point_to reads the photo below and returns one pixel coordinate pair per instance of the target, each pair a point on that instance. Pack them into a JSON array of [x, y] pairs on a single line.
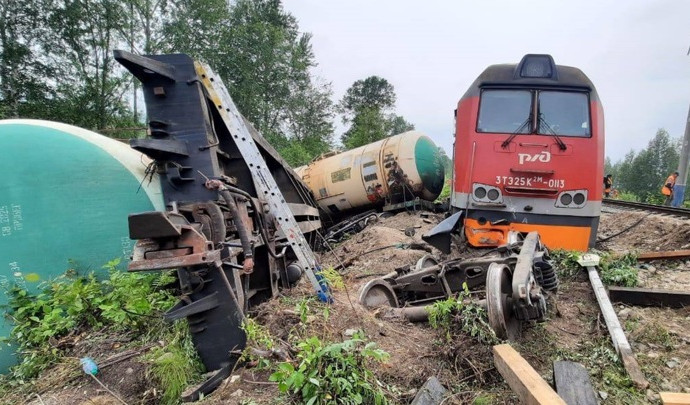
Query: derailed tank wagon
[[400, 171]]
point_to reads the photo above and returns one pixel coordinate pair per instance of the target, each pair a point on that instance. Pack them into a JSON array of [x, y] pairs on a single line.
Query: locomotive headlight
[[572, 199], [485, 193], [579, 198], [480, 192]]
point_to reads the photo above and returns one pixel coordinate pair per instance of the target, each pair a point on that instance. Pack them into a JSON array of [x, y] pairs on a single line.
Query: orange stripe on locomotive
[[512, 172]]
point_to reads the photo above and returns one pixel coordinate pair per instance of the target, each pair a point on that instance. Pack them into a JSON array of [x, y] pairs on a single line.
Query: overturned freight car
[[400, 171]]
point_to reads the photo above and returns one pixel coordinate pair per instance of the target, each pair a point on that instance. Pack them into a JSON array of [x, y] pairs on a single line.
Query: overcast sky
[[634, 51]]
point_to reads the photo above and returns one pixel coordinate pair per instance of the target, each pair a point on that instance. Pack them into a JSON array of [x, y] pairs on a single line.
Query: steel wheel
[[499, 302]]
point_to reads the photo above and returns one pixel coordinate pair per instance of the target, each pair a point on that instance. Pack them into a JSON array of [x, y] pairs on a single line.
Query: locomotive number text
[[534, 181]]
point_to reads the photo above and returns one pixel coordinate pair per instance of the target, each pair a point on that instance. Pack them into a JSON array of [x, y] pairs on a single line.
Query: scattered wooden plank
[[674, 398], [649, 297], [431, 393], [620, 342], [530, 388], [673, 254], [572, 383]]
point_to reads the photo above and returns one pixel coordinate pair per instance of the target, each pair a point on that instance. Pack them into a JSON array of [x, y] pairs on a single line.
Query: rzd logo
[[543, 157]]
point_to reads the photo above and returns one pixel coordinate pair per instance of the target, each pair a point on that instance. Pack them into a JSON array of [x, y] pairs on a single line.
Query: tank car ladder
[[264, 182]]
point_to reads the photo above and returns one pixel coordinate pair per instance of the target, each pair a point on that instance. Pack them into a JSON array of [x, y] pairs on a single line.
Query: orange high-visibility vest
[[665, 190]]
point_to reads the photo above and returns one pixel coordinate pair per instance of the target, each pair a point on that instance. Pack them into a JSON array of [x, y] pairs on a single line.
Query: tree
[[447, 162], [644, 173], [256, 47], [24, 90], [368, 126], [374, 93], [197, 28], [365, 106], [88, 31], [397, 125]]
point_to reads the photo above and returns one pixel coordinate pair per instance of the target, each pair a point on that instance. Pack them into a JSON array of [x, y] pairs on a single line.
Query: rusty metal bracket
[[189, 249]]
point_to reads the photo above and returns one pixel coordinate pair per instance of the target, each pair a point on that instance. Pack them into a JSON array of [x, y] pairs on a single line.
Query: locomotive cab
[[529, 155]]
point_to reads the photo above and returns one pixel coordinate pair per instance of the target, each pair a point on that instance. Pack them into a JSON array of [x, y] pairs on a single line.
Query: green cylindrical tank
[[65, 194]]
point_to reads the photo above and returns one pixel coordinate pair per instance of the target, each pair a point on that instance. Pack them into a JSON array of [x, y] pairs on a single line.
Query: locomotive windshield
[[505, 111], [558, 112], [563, 113]]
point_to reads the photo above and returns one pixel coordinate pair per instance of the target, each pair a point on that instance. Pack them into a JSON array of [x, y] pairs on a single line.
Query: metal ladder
[[264, 182]]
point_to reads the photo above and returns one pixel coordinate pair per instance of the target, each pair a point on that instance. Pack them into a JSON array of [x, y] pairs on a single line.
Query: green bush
[[333, 373], [123, 301], [620, 271], [628, 197], [459, 313], [445, 192], [565, 262]]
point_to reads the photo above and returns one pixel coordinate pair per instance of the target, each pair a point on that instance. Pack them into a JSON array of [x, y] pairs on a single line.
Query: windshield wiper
[[560, 143], [516, 132]]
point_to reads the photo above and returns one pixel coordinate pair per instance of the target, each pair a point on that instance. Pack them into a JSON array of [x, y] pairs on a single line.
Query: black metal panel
[[216, 331], [177, 113]]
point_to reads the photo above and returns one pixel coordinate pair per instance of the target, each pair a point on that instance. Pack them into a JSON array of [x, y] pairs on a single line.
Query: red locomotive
[[529, 155]]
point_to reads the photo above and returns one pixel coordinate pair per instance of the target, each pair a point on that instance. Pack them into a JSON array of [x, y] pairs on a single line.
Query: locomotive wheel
[[424, 262], [378, 293], [499, 297]]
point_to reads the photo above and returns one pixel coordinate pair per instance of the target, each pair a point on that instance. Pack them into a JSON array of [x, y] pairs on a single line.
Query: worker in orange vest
[[608, 183], [667, 189]]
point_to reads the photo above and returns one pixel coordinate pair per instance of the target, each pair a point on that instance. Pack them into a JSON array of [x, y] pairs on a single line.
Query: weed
[[656, 334], [333, 373], [445, 192], [257, 336], [332, 278], [628, 197], [175, 365], [484, 399], [302, 308], [619, 270], [459, 312], [441, 314], [566, 263], [123, 301]]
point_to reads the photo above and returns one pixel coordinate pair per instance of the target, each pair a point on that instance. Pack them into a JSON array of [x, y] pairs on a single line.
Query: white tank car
[[392, 170]]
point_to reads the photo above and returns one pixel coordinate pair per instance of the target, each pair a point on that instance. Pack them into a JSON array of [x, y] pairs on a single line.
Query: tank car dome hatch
[[65, 197]]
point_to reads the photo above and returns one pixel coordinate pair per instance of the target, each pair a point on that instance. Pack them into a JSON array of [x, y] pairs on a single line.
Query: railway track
[[679, 212]]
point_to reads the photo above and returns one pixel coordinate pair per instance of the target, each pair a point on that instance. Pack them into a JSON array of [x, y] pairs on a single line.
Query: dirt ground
[[574, 330]]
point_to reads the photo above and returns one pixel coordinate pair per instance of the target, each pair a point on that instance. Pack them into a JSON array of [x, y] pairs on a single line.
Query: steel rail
[[661, 209]]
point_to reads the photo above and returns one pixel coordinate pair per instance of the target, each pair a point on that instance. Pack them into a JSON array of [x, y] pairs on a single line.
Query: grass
[[121, 304], [445, 192], [459, 314], [596, 354], [613, 270], [175, 365], [655, 333], [619, 270], [332, 373], [565, 262]]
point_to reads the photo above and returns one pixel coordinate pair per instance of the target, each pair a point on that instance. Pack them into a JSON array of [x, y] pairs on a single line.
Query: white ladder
[[267, 188]]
